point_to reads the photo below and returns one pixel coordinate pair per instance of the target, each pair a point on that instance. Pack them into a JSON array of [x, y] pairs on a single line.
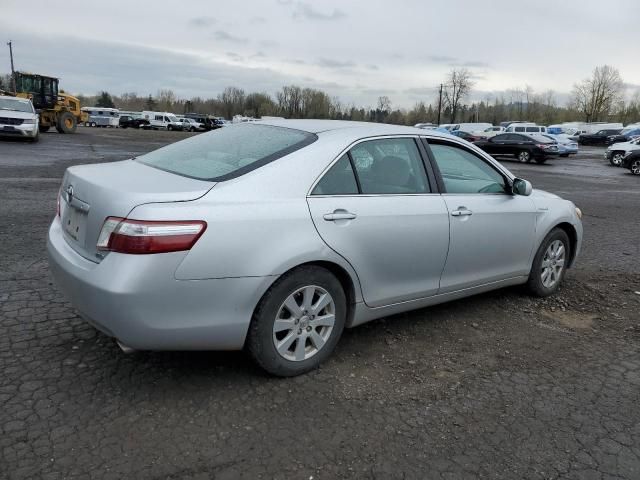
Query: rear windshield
[[227, 152]]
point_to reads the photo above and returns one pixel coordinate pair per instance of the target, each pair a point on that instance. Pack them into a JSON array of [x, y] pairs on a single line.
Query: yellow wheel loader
[[56, 109]]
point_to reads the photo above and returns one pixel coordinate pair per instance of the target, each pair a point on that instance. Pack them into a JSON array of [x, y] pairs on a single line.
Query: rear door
[[375, 207], [501, 145], [492, 231]]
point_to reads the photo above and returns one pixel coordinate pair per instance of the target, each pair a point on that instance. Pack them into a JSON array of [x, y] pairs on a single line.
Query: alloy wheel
[[553, 264], [617, 159], [304, 323], [635, 167], [524, 156]]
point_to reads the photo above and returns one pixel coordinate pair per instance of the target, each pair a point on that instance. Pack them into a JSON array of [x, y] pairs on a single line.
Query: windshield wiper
[[10, 109]]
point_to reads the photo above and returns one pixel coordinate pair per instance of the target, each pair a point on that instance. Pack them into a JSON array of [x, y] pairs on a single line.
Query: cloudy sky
[[355, 49]]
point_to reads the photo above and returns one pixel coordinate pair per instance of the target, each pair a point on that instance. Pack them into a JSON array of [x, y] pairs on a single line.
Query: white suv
[[616, 152], [190, 125], [18, 118]]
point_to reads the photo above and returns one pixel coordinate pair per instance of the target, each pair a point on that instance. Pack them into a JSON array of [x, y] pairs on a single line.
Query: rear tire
[[524, 156], [549, 265], [304, 331], [540, 161]]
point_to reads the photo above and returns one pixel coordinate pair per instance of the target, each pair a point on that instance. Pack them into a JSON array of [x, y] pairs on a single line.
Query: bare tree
[[596, 96], [456, 89], [232, 101], [290, 101]]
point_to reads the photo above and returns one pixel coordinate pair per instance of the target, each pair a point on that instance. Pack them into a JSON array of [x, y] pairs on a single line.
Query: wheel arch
[[347, 281], [573, 239]]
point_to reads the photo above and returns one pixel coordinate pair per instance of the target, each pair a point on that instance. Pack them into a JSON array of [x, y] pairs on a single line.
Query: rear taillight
[[124, 235], [543, 146]]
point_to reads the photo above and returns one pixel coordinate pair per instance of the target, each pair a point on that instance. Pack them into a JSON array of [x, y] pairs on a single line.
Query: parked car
[[524, 147], [190, 125], [426, 126], [18, 118], [598, 138], [490, 132], [188, 247], [465, 135], [615, 153], [566, 147], [625, 135], [209, 122], [128, 121], [632, 162]]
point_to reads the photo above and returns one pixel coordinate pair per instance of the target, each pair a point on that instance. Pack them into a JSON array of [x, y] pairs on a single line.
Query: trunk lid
[[91, 193]]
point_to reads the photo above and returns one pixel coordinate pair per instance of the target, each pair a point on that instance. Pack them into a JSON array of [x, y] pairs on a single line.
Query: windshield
[[7, 103], [227, 153]]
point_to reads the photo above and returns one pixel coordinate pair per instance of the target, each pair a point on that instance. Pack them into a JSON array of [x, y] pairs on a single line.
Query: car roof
[[359, 128]]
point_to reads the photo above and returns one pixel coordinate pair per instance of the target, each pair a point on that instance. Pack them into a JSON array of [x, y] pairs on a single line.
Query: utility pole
[[13, 72], [439, 104]]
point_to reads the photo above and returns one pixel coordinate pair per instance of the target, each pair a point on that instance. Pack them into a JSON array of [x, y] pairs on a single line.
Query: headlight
[[578, 213], [28, 121]]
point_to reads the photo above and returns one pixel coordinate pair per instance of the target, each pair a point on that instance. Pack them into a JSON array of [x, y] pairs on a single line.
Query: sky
[[357, 50]]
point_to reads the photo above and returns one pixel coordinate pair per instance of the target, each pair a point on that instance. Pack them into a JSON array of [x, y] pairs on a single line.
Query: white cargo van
[[161, 120], [525, 128]]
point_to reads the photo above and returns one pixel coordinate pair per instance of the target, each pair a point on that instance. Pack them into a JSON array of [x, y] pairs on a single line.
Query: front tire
[[635, 167], [66, 123], [550, 264], [298, 322], [616, 159]]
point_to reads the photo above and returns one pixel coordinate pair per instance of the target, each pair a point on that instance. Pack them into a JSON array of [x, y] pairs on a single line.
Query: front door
[[492, 231], [375, 208]]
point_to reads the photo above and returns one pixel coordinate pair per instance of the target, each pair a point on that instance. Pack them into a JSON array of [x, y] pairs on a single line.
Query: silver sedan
[[276, 235]]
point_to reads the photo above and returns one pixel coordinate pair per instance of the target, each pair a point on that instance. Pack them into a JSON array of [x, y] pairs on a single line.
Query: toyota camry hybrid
[[276, 235]]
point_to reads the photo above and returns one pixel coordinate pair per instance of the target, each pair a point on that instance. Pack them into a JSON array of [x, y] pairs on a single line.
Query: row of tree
[[597, 98]]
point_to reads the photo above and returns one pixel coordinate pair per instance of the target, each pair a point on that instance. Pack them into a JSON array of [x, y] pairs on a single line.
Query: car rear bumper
[[137, 300]]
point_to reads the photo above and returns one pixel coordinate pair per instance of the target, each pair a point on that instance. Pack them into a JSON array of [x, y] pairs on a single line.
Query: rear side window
[[339, 180], [533, 129], [390, 166], [229, 152]]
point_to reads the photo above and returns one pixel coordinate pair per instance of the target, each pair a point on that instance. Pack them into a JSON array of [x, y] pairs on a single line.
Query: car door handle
[[339, 215], [461, 211]]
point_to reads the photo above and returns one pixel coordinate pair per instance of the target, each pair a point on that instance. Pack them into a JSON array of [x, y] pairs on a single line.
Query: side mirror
[[522, 187]]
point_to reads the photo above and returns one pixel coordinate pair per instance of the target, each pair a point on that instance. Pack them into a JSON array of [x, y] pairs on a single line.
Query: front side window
[[465, 172], [228, 153], [519, 129]]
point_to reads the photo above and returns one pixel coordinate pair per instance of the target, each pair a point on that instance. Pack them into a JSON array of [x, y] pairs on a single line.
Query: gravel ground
[[500, 385]]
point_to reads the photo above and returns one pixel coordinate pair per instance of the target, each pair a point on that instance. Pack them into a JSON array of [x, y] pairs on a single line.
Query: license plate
[[74, 223], [8, 128]]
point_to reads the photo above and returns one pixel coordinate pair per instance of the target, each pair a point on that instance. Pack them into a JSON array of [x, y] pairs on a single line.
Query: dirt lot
[[500, 385]]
